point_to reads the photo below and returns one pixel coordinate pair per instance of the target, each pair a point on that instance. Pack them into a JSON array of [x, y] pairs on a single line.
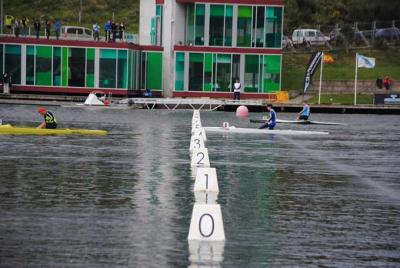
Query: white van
[[76, 32], [309, 37]]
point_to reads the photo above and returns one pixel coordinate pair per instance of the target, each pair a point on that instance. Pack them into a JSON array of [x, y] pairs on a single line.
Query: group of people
[[113, 31], [21, 27], [386, 82]]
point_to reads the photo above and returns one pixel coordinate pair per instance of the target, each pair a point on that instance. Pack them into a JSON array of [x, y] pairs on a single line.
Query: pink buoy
[[242, 111]]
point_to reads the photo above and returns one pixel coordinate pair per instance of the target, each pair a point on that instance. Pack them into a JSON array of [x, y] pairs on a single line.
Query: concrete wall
[[348, 87], [147, 11]]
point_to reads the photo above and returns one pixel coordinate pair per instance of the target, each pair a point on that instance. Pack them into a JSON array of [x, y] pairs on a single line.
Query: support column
[[96, 67], [23, 65], [207, 25], [234, 26], [242, 66]]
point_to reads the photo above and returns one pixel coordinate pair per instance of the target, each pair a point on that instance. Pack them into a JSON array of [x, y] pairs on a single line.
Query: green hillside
[[294, 67]]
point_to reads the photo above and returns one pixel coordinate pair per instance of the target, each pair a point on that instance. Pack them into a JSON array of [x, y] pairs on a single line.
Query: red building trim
[[228, 50], [66, 90], [152, 48], [246, 2], [76, 43], [159, 2], [222, 95]]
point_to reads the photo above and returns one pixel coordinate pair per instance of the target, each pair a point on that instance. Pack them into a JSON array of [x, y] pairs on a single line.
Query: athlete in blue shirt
[[305, 113], [271, 123]]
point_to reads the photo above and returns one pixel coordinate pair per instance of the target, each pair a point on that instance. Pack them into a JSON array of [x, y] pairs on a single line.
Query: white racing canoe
[[262, 131], [300, 122]]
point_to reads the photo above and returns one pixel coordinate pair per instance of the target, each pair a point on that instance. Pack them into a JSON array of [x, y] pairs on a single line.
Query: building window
[[64, 66], [12, 62], [108, 66], [76, 65], [122, 69], [223, 72], [154, 70], [180, 71], [43, 66], [199, 28], [30, 65], [208, 72], [258, 20], [217, 25], [90, 67], [244, 27], [1, 59], [56, 66], [273, 27], [251, 73], [159, 25], [190, 16], [196, 62], [272, 70], [228, 26]]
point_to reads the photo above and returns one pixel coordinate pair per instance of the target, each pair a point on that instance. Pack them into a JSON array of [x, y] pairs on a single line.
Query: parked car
[[309, 37], [76, 32], [286, 42], [388, 34]]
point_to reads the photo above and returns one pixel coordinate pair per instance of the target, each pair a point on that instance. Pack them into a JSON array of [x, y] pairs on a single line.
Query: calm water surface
[[126, 199]]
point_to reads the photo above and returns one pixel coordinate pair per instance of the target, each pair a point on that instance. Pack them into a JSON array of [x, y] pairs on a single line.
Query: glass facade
[[12, 62], [179, 71], [76, 67], [257, 26], [216, 72], [1, 58]]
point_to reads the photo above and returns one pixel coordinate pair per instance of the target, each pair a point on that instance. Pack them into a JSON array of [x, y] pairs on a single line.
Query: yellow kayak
[[10, 130]]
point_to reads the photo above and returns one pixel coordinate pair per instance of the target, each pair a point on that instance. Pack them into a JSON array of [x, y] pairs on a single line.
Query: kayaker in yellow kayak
[[50, 121]]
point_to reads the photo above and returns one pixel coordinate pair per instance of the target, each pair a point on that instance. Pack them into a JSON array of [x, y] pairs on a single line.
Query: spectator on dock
[[47, 28], [96, 31], [107, 28], [24, 25], [57, 28], [16, 27], [9, 23], [379, 83], [114, 31], [36, 26], [121, 30], [387, 82], [236, 90]]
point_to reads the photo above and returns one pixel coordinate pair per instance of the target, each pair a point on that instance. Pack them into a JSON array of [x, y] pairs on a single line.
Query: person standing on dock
[[236, 90], [305, 113], [50, 121], [271, 123]]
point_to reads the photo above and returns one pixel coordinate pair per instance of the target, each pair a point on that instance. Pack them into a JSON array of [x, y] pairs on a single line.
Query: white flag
[[365, 62]]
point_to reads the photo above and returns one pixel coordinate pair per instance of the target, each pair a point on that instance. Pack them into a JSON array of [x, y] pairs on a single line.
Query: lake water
[[126, 199]]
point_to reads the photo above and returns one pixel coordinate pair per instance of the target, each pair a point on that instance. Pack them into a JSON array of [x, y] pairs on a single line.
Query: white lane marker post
[[200, 158], [206, 180], [196, 142], [205, 198], [206, 223], [201, 252]]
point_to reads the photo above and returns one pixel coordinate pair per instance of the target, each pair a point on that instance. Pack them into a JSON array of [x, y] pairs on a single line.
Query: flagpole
[[355, 81], [320, 78]]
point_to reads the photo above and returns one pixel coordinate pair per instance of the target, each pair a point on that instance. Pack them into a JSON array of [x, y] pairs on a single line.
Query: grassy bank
[[294, 67], [343, 99]]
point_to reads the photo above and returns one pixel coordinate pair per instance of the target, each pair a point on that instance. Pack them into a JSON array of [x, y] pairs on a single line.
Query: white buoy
[[209, 252], [201, 197], [206, 180], [206, 223], [196, 142], [200, 158]]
